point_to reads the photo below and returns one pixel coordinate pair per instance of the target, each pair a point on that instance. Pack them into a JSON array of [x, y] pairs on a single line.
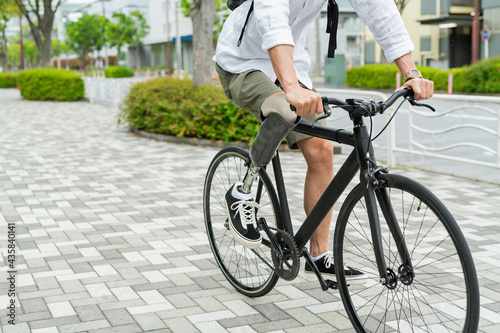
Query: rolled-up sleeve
[[273, 22], [384, 21]]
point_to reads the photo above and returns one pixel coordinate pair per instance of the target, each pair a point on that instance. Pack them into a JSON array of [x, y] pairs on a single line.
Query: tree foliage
[[120, 31], [87, 34], [139, 30], [8, 9]]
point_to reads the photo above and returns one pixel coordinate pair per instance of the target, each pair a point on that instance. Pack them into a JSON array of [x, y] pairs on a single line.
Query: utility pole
[[106, 61], [178, 45], [169, 51], [21, 39], [475, 32], [318, 49]]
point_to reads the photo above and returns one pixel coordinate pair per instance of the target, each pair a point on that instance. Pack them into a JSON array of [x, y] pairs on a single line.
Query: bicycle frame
[[358, 160]]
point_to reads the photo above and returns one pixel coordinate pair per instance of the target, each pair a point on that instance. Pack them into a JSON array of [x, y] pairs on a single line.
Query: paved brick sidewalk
[[110, 232]]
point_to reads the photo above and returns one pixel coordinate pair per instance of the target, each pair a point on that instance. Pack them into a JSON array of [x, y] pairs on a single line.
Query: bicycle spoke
[[427, 301], [250, 271]]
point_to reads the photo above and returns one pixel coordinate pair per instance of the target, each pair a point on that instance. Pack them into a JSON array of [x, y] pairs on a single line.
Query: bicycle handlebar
[[358, 107]]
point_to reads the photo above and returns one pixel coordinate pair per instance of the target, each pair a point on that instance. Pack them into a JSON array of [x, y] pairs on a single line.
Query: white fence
[[99, 89]]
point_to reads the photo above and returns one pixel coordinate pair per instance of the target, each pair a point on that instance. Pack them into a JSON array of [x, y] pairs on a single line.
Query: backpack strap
[[244, 25], [331, 26]]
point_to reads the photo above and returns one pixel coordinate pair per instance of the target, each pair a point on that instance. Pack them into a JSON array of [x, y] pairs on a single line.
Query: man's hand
[[422, 88], [305, 101]]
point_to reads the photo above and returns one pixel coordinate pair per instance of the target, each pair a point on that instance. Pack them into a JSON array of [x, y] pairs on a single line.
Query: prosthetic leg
[[240, 206], [280, 121]]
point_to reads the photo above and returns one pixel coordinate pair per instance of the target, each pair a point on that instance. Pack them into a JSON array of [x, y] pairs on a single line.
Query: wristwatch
[[411, 74]]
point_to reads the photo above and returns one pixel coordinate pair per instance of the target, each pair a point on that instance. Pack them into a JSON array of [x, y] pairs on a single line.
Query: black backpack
[[331, 26]]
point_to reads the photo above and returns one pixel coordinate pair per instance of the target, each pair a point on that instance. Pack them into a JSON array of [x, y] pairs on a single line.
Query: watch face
[[415, 72]]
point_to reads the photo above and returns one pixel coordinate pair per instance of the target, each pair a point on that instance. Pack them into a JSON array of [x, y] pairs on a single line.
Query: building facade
[[442, 32], [491, 22], [165, 18], [440, 29]]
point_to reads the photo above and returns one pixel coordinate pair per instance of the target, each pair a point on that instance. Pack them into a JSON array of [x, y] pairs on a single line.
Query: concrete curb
[[208, 143]]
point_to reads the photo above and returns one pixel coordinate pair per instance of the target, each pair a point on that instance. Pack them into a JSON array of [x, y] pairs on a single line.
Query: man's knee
[[318, 153]]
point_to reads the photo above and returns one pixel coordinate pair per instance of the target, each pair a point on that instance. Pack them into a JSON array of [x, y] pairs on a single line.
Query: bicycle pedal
[[332, 284]]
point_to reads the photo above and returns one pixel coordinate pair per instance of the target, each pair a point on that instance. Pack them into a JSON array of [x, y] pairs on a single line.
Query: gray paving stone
[[34, 305], [89, 312], [98, 210], [118, 317], [149, 321], [119, 329]]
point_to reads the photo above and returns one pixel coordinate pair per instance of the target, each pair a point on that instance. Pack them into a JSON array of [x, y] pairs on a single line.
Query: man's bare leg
[[318, 154]]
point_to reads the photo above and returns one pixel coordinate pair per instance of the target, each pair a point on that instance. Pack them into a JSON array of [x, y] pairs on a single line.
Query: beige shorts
[[249, 89]]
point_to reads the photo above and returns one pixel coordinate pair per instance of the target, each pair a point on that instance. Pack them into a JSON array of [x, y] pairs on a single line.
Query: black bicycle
[[421, 275]]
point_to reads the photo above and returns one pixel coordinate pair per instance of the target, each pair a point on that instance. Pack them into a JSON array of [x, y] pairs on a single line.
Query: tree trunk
[[203, 16], [5, 61], [3, 52], [41, 29]]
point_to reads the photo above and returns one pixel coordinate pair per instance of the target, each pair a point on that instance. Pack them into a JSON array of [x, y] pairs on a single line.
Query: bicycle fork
[[373, 192]]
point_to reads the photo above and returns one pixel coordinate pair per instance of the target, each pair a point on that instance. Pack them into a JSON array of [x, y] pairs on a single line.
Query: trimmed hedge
[[50, 84], [8, 80], [382, 76], [481, 77], [177, 107], [118, 71]]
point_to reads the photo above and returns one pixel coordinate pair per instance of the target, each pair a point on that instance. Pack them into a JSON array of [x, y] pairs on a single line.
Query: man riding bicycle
[[256, 51]]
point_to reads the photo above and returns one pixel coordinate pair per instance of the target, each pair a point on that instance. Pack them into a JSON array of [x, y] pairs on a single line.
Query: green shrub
[[372, 76], [8, 80], [118, 71], [177, 107], [50, 84], [483, 77]]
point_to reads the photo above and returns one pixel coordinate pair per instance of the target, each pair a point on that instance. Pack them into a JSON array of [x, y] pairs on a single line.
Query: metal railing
[[473, 138], [477, 126]]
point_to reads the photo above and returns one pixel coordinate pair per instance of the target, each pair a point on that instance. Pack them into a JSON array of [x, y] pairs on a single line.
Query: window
[[492, 18], [370, 52], [425, 44], [428, 7]]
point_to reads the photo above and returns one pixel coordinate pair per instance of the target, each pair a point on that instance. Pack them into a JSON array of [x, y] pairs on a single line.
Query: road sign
[[485, 34]]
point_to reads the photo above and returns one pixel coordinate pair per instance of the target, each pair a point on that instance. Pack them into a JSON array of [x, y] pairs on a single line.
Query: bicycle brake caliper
[[374, 171]]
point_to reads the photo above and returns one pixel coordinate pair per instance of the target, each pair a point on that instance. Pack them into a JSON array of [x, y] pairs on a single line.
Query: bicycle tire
[[444, 294], [250, 272]]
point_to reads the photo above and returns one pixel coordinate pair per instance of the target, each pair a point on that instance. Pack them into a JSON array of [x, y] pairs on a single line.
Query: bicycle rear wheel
[[443, 296], [251, 272]]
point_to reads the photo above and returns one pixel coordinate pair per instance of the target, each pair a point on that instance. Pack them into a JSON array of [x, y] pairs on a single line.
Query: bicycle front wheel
[[250, 271], [443, 295]]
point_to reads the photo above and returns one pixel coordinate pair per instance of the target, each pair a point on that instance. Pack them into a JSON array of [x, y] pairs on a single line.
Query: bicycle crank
[[285, 256]]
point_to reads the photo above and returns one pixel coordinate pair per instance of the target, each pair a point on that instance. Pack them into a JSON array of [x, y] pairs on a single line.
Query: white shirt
[[278, 22]]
